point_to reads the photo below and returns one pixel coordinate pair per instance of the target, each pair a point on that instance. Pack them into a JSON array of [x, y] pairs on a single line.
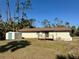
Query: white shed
[[13, 35]]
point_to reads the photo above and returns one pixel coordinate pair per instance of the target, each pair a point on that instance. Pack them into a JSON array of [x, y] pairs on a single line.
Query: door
[[9, 35]]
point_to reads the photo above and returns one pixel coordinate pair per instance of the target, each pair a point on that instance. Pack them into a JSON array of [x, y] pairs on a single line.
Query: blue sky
[[67, 10]]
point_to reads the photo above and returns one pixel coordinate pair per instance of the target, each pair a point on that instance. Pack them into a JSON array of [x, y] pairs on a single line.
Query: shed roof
[[53, 29]]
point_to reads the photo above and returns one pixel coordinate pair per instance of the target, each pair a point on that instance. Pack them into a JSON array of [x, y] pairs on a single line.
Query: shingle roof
[[59, 29]]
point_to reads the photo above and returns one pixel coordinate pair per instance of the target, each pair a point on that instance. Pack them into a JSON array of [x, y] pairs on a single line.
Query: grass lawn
[[40, 49]]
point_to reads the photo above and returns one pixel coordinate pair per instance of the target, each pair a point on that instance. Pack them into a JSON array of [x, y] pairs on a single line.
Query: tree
[[1, 21], [24, 7], [17, 14], [0, 12], [25, 23], [21, 8], [32, 21], [1, 24], [17, 10], [53, 25], [8, 10], [58, 22], [77, 31], [16, 22], [46, 23], [73, 30], [67, 24]]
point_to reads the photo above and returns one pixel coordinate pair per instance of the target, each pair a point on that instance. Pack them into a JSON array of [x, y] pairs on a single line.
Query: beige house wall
[[61, 36], [54, 35], [30, 35]]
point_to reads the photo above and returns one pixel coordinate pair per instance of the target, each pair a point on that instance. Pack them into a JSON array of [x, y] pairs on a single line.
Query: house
[[55, 33]]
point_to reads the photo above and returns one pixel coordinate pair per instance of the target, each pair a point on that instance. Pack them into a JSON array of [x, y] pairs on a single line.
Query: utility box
[[13, 35]]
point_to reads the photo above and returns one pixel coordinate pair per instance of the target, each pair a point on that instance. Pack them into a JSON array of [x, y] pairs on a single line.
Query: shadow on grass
[[67, 57], [14, 45], [46, 39]]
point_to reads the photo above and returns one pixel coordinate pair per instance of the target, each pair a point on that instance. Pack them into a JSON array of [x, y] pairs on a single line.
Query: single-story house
[[55, 33]]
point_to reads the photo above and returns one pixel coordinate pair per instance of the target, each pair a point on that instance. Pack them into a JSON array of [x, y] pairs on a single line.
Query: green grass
[[42, 49]]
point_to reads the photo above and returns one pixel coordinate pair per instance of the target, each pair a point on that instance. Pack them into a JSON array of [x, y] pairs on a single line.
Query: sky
[[66, 10]]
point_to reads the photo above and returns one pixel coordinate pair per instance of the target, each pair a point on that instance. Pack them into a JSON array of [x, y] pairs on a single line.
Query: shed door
[[9, 35]]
